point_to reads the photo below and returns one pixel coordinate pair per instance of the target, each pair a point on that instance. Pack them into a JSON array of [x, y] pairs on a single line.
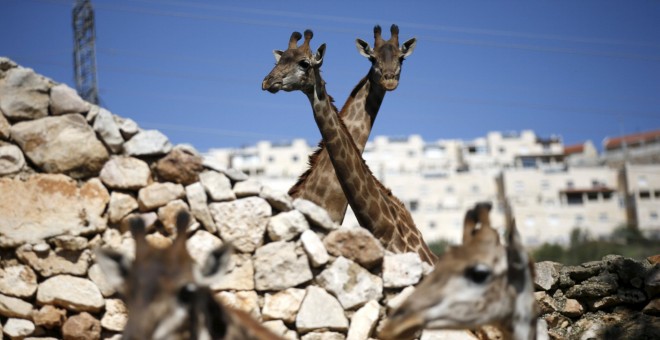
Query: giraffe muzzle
[[266, 85]]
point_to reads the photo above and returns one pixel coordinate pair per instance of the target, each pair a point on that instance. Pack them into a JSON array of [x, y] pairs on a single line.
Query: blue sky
[[193, 69]]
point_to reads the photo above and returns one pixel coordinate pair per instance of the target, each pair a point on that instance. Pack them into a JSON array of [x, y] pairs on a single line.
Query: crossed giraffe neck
[[374, 205], [168, 296], [482, 282], [319, 183]]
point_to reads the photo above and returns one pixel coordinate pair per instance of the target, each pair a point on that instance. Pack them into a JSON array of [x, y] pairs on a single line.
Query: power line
[[453, 29], [254, 22]]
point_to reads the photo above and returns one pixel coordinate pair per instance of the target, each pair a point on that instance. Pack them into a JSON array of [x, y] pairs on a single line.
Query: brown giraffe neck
[[374, 205], [319, 183]]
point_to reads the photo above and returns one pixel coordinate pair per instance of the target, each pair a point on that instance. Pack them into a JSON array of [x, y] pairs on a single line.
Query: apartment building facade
[[549, 188]]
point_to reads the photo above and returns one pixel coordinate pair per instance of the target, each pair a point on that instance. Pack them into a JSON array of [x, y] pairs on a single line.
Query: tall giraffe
[[374, 205], [482, 282], [168, 295], [319, 183]]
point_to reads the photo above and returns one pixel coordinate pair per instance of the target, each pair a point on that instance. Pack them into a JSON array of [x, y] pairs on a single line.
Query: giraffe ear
[[364, 48], [115, 267], [277, 54], [408, 47], [214, 267], [318, 57]]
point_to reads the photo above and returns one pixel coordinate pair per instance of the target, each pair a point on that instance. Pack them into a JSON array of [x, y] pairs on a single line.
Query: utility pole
[[84, 53]]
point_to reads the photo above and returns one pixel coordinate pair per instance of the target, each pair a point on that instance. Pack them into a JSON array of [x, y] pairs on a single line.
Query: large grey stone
[[597, 286], [23, 94], [310, 318], [106, 127], [120, 206], [286, 226], [547, 275], [239, 274], [277, 266], [182, 165], [148, 143], [242, 222], [64, 99], [159, 194], [318, 256], [62, 144], [128, 128], [11, 159], [98, 277], [115, 316], [281, 201], [201, 244], [12, 307], [51, 263], [18, 280], [364, 321], [283, 305], [70, 292], [356, 244], [45, 206], [401, 270], [125, 173], [247, 188], [81, 327], [5, 127], [217, 186], [351, 284], [315, 214], [197, 199], [18, 328]]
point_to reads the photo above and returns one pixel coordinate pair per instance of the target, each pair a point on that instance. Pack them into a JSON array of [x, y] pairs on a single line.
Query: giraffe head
[[386, 56], [478, 283], [294, 67], [161, 287]]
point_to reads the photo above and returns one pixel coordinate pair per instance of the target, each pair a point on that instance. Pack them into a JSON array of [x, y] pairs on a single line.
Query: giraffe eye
[[478, 273], [186, 293], [304, 64]]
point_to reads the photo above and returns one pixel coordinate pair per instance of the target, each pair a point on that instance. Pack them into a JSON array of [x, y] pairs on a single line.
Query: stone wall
[[71, 173], [615, 298]]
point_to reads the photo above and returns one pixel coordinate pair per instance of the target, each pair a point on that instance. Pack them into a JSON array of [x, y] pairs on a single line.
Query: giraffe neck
[[319, 183], [374, 206]]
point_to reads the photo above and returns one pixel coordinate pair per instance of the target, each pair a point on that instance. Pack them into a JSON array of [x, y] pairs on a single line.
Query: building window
[[592, 196], [545, 185], [641, 181], [475, 189], [607, 195], [644, 195], [449, 189], [656, 194], [528, 162], [411, 153], [653, 216], [579, 219], [271, 159], [502, 150], [574, 198], [414, 205], [295, 158], [603, 217], [570, 184], [432, 225]]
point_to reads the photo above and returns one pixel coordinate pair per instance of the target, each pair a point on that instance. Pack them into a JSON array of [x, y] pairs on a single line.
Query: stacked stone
[[616, 298], [71, 174]]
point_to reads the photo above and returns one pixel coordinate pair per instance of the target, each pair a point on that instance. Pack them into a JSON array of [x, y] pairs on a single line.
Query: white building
[[548, 204], [642, 189], [549, 188]]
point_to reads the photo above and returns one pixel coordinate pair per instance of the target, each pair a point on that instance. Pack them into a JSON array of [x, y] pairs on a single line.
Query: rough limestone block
[[242, 222], [351, 284], [277, 266], [70, 292], [286, 226], [401, 270], [309, 318], [364, 321], [125, 173], [318, 256], [283, 305]]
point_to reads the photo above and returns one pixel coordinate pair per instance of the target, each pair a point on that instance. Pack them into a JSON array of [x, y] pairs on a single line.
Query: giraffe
[[374, 205], [168, 295], [482, 282], [319, 183]]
